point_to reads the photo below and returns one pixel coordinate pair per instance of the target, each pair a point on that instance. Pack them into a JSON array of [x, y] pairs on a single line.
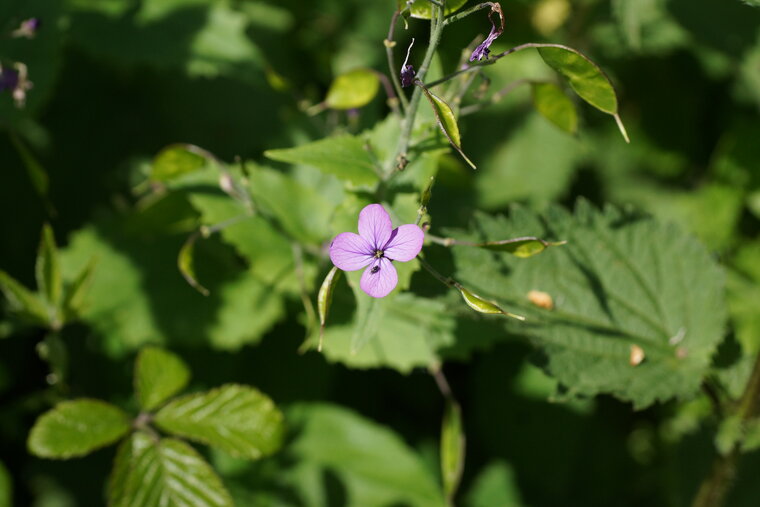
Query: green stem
[[389, 45], [493, 59], [436, 28], [456, 17], [713, 490]]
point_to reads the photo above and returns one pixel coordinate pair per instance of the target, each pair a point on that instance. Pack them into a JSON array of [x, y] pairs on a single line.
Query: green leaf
[[345, 157], [24, 302], [353, 89], [585, 78], [553, 104], [444, 115], [324, 299], [422, 8], [177, 160], [75, 428], [48, 269], [159, 375], [520, 247], [74, 293], [372, 464], [185, 263], [482, 305], [6, 487], [496, 484], [35, 170], [621, 280], [149, 472], [452, 448], [240, 420]]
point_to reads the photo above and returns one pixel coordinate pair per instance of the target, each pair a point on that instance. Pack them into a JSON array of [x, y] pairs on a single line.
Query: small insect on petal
[[541, 299], [637, 355]]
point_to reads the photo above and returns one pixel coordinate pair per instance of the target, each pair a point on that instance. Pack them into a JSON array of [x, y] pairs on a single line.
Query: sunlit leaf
[[149, 472], [177, 160], [159, 375], [422, 8], [75, 428], [553, 104], [620, 281], [344, 156], [447, 121], [585, 77], [238, 419], [353, 89]]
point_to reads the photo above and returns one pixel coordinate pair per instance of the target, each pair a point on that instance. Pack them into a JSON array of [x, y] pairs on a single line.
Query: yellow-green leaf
[[353, 89], [48, 269], [585, 78], [555, 106], [324, 299], [159, 375], [185, 264], [22, 301], [177, 160], [444, 115], [422, 8]]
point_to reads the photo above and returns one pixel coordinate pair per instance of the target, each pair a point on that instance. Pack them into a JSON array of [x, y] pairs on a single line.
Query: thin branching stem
[[389, 45], [463, 14]]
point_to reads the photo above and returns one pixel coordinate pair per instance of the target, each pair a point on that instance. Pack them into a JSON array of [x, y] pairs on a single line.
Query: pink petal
[[349, 251], [405, 243], [375, 225], [380, 283]]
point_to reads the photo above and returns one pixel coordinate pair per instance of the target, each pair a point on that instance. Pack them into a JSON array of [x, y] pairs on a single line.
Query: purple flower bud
[[16, 80], [407, 71], [28, 28], [482, 51], [8, 79]]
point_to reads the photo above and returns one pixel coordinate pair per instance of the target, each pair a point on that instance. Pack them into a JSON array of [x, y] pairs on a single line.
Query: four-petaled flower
[[375, 247]]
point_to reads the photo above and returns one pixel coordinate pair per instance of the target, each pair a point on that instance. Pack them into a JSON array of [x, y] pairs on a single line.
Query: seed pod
[[324, 299]]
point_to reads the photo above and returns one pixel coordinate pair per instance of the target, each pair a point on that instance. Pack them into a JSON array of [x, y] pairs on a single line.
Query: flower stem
[[715, 487], [389, 45], [456, 17], [436, 28]]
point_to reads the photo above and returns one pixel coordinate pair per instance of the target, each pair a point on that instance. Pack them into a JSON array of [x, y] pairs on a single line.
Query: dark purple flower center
[[378, 254]]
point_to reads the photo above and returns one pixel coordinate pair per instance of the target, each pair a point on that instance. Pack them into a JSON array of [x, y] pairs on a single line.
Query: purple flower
[[16, 79], [483, 49], [28, 28], [8, 79], [375, 247], [407, 71]]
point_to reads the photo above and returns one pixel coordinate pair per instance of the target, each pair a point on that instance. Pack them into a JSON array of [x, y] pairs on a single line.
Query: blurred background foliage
[[117, 80]]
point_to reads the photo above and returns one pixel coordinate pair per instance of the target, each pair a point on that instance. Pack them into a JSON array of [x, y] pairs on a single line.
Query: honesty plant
[[376, 246]]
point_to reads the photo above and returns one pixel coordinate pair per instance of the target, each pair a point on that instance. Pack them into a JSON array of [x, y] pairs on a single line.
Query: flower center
[[378, 254]]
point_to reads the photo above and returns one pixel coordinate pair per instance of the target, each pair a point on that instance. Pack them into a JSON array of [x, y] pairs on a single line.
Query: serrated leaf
[[585, 78], [163, 473], [74, 294], [553, 104], [353, 89], [6, 487], [75, 428], [159, 375], [177, 160], [452, 448], [620, 281], [23, 301], [447, 121], [324, 300], [343, 156], [421, 9], [238, 419], [48, 269]]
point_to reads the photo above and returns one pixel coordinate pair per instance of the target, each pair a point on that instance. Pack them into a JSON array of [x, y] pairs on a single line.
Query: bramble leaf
[[75, 428], [620, 281], [152, 473], [159, 375], [343, 156], [353, 89], [240, 420]]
